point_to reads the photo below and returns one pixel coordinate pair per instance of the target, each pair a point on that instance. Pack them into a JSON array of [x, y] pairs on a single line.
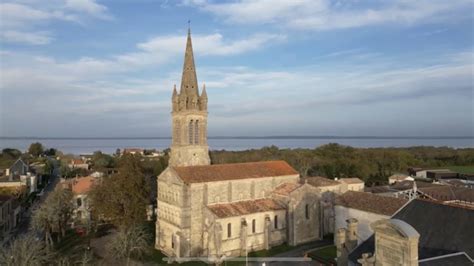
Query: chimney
[[340, 240], [351, 238], [352, 229]]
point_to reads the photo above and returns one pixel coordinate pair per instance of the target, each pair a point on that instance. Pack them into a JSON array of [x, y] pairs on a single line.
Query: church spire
[[189, 85]]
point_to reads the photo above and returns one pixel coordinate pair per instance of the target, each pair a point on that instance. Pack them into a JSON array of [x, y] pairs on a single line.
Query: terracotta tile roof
[[220, 172], [82, 185], [351, 180], [286, 188], [319, 181], [77, 161], [244, 207], [370, 202], [448, 193]]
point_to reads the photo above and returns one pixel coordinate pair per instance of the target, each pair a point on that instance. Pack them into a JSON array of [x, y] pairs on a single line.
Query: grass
[[273, 251], [469, 169], [325, 254]]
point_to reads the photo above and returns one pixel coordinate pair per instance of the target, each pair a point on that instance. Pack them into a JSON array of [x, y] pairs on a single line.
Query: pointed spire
[[189, 83], [204, 93], [175, 92]]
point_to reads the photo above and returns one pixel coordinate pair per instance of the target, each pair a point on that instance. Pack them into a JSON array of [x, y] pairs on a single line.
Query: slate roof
[[370, 202], [455, 259], [443, 229], [407, 184], [244, 207], [319, 181], [286, 188], [222, 172]]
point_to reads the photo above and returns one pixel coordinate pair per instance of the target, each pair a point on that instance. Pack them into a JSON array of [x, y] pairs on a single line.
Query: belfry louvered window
[[190, 133], [196, 132]]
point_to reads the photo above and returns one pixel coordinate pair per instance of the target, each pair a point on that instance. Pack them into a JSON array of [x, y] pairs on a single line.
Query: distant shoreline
[[242, 137]]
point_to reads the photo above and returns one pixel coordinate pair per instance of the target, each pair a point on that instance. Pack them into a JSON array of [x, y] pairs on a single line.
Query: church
[[216, 211]]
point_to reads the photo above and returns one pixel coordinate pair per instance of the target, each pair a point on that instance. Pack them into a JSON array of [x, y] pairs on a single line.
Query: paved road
[[24, 225]]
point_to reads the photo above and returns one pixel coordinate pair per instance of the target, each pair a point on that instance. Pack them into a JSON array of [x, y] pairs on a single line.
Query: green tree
[[129, 243], [102, 161], [36, 149], [11, 154], [25, 250], [123, 197]]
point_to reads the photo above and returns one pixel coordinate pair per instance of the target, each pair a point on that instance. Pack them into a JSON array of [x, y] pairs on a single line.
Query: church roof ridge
[[232, 171]]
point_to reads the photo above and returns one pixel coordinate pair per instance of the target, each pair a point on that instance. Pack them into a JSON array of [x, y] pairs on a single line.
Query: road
[[24, 225]]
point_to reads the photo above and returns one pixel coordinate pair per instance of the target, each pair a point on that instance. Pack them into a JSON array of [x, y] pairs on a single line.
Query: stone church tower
[[189, 144]]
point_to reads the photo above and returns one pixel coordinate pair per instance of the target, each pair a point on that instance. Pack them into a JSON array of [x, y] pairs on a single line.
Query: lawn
[[469, 169], [325, 254]]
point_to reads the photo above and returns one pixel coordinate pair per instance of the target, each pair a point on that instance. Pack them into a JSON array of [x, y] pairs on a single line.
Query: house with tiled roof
[[80, 187], [366, 208], [352, 184], [78, 164], [216, 211]]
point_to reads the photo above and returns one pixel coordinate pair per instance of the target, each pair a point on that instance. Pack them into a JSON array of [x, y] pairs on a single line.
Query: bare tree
[[25, 250], [54, 214], [131, 242]]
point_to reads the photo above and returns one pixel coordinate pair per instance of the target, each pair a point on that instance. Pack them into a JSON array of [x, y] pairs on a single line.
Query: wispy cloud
[[327, 15], [25, 21]]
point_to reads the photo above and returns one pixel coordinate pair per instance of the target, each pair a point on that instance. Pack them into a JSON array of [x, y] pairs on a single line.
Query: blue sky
[[82, 68]]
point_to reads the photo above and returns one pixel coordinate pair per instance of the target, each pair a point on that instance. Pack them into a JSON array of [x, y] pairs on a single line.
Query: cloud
[[89, 7], [327, 15], [27, 21], [34, 38], [212, 44]]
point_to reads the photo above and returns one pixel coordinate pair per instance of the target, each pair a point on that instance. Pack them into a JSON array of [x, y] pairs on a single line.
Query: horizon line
[[243, 137]]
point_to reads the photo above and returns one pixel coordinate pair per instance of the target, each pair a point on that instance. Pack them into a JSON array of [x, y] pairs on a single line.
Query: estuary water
[[109, 145]]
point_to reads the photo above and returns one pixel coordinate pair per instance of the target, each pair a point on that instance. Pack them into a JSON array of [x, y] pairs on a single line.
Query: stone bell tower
[[189, 144]]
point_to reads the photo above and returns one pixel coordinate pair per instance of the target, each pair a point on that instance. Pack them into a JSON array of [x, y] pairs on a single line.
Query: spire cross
[[189, 25]]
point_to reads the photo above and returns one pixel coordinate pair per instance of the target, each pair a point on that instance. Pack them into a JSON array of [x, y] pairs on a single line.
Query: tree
[[11, 154], [36, 149], [54, 214], [25, 250], [101, 161], [122, 198], [128, 243]]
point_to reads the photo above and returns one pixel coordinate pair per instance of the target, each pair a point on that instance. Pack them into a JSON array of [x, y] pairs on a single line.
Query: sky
[[106, 68]]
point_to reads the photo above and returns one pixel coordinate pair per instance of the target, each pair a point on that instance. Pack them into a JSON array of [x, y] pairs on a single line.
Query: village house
[[19, 175], [80, 187], [398, 178], [78, 164], [366, 208]]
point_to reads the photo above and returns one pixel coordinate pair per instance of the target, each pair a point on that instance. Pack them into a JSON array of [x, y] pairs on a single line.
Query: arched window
[[306, 211], [229, 230], [253, 226], [196, 132], [276, 221], [190, 133]]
